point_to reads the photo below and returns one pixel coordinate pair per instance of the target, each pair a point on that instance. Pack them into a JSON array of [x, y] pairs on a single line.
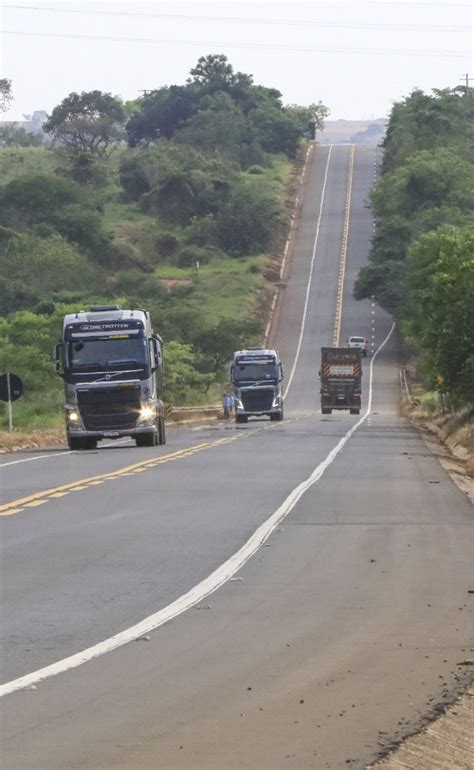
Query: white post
[[10, 410]]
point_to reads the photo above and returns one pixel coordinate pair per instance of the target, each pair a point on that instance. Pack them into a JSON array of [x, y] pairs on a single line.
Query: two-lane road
[[326, 618]]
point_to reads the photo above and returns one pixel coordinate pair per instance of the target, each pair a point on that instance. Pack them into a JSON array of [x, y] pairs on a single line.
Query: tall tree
[[89, 122]]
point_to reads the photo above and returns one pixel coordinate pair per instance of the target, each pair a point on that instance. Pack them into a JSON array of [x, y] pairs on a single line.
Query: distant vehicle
[[341, 374], [111, 361], [256, 374], [358, 342]]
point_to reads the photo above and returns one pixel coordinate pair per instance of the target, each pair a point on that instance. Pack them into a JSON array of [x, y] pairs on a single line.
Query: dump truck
[[111, 362], [256, 374], [341, 379]]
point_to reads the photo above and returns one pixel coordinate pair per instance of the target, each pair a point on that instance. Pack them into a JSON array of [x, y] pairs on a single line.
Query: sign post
[[11, 388]]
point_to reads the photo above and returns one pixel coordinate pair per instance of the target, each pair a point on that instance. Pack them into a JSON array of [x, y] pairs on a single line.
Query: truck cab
[[341, 378], [256, 374], [111, 362]]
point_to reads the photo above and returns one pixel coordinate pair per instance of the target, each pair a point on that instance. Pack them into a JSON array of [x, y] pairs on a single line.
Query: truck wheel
[[241, 418], [326, 410], [276, 417], [355, 411], [145, 439], [77, 444], [161, 431]]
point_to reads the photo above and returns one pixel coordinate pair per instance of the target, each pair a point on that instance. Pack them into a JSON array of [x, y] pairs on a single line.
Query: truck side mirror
[[58, 359]]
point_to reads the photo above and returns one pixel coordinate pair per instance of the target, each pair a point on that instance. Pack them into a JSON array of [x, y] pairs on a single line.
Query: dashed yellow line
[[39, 498], [342, 258]]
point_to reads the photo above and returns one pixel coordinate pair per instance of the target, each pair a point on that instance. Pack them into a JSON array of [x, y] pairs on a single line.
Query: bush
[[202, 231], [122, 255], [255, 170], [247, 223], [189, 255]]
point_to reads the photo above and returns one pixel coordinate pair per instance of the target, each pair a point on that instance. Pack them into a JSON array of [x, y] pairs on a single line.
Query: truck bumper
[[100, 434]]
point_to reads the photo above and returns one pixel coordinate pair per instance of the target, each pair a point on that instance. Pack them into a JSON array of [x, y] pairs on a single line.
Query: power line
[[257, 46], [249, 20]]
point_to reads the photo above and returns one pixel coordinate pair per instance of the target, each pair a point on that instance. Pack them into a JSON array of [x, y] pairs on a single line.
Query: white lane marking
[[310, 279], [56, 454], [207, 586], [30, 459]]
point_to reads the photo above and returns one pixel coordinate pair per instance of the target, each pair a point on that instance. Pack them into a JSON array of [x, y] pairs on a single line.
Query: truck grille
[[258, 400], [109, 408]]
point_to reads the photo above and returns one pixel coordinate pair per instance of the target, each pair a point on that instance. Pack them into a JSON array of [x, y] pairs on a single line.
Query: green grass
[[18, 161], [223, 289], [36, 411]]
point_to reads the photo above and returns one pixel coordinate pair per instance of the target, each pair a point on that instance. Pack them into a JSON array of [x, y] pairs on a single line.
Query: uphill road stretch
[[264, 596]]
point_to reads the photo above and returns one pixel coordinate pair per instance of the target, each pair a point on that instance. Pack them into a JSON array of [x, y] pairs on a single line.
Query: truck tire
[[276, 417], [161, 431], [241, 418], [146, 439], [326, 410], [78, 444], [355, 411]]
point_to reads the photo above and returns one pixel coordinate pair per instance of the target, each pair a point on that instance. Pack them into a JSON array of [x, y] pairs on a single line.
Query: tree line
[[421, 265]]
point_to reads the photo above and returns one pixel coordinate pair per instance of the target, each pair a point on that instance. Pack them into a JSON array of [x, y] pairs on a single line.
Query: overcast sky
[[356, 57]]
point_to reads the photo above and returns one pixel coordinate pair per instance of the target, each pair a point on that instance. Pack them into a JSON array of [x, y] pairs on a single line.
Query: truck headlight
[[73, 418], [147, 413], [276, 402]]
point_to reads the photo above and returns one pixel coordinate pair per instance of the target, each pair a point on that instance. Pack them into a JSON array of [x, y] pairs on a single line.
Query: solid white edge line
[[310, 279], [207, 586], [31, 459], [56, 454]]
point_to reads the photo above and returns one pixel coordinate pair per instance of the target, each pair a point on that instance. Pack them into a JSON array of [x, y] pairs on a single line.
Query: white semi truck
[[256, 374], [111, 362]]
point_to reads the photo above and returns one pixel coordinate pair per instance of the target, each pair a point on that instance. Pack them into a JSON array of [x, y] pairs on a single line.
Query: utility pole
[[466, 79]]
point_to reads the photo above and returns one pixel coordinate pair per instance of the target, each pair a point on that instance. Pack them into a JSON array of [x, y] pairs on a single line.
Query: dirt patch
[[446, 744], [12, 442], [170, 282]]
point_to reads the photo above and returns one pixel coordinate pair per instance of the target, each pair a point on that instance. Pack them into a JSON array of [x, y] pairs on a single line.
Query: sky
[[355, 56]]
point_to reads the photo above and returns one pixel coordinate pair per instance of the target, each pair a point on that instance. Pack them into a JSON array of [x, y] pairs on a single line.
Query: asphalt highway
[[198, 606]]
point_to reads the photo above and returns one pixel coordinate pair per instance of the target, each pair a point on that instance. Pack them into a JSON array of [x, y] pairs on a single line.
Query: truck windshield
[[255, 371], [107, 354]]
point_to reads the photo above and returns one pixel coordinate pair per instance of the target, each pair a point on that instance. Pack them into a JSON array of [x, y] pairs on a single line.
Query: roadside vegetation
[[422, 259], [171, 202]]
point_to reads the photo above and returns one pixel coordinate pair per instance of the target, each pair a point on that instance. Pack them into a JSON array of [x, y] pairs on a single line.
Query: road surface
[[265, 596]]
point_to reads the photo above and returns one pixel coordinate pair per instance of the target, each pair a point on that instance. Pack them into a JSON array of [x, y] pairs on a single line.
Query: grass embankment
[[450, 424]]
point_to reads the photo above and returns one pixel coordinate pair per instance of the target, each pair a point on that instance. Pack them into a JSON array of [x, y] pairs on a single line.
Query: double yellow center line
[[47, 495], [342, 258]]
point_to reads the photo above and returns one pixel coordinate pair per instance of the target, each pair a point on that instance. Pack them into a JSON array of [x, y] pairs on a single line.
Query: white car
[[358, 342]]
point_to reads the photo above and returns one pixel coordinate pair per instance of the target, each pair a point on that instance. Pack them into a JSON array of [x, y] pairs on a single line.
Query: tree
[[6, 95], [182, 377], [12, 135], [161, 113], [247, 221], [33, 198], [217, 343], [424, 122], [89, 122], [218, 125], [276, 129], [303, 116], [34, 268], [440, 282], [214, 72]]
